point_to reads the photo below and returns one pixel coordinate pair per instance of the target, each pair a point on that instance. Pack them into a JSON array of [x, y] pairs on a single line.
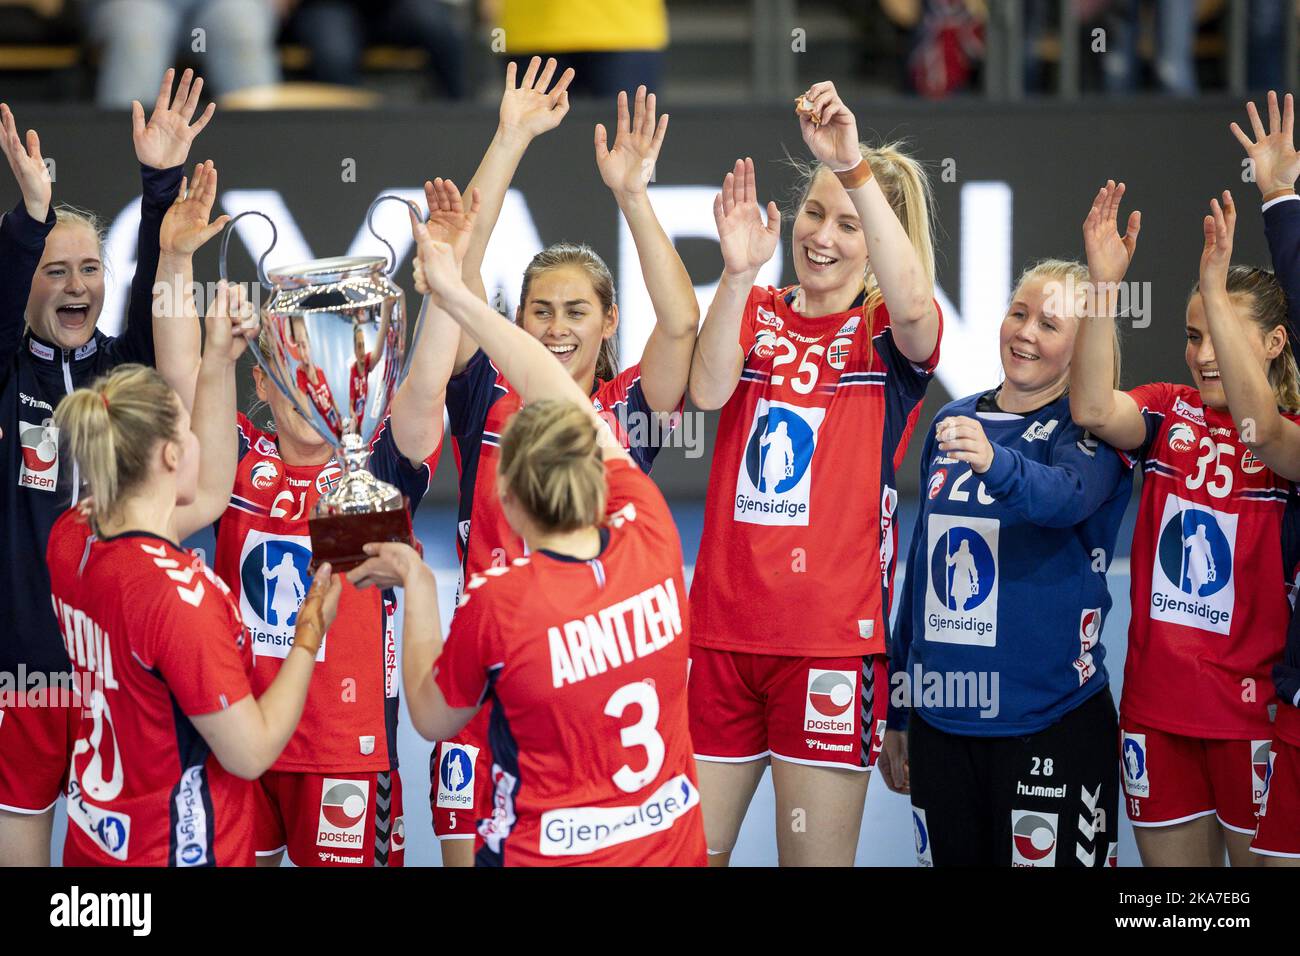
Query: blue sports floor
[[887, 824]]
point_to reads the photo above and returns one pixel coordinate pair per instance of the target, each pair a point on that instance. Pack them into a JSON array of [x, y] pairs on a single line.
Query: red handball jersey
[[1209, 596], [480, 403], [263, 552], [798, 551], [155, 639], [583, 664]]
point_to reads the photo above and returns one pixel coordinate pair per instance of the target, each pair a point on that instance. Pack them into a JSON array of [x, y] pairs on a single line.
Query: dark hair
[[584, 257], [1268, 311]]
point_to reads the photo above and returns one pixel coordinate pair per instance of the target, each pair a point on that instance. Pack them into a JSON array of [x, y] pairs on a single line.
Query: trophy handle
[[261, 263], [370, 224], [392, 267], [229, 231]]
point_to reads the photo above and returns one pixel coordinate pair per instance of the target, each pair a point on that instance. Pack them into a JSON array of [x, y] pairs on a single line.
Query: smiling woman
[[68, 288], [51, 296]]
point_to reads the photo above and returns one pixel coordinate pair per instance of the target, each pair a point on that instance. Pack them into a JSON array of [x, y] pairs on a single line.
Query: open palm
[[165, 140], [628, 167], [1216, 255], [28, 165], [1109, 253], [449, 219], [1273, 154], [531, 108], [746, 241], [185, 228]]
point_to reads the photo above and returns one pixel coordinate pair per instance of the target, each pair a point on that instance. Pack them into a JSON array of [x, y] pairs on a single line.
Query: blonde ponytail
[[907, 187], [111, 429], [551, 464]]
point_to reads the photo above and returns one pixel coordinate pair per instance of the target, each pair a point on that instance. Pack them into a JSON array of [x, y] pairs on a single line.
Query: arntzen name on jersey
[[615, 635]]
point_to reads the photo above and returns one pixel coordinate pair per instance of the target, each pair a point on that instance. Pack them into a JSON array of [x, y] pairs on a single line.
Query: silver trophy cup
[[338, 352]]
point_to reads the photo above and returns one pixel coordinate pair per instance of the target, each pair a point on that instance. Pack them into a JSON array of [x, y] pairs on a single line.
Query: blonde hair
[[67, 215], [1067, 271], [551, 464], [906, 186], [562, 254], [111, 429], [1268, 311]]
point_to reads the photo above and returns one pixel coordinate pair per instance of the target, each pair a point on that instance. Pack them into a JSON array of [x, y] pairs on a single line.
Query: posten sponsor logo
[[829, 706], [342, 813]]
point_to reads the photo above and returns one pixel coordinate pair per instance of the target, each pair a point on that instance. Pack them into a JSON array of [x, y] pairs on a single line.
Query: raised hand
[[27, 164], [531, 109], [627, 168], [165, 140], [746, 241], [437, 262], [1109, 253], [1218, 228], [185, 228], [1273, 154], [449, 221], [833, 138], [230, 323]]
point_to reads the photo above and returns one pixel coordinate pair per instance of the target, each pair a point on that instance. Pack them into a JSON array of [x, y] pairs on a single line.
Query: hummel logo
[[191, 596]]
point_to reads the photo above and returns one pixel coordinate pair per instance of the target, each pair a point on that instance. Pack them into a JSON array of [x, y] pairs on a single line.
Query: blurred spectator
[[1175, 33], [1175, 24], [337, 32], [140, 39], [612, 45], [1264, 52], [948, 47]]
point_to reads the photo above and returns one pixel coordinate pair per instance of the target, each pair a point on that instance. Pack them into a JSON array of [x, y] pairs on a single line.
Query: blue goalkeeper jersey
[[1000, 618]]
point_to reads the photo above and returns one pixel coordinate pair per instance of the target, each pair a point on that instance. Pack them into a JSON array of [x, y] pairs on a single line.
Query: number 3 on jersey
[[643, 733]]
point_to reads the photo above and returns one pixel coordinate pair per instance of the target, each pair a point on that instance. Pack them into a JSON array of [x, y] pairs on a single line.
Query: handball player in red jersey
[[577, 650], [334, 796], [1209, 597], [820, 385], [568, 303], [171, 736]]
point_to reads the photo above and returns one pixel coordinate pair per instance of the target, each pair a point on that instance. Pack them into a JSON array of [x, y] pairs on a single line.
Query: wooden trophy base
[[338, 539]]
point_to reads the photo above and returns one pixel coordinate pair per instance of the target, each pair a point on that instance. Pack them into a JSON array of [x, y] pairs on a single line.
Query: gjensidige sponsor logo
[[580, 830]]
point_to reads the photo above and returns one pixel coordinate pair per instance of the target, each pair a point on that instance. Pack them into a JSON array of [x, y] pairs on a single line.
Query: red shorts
[[36, 741], [1278, 833], [1169, 778], [808, 710], [460, 785], [331, 819]]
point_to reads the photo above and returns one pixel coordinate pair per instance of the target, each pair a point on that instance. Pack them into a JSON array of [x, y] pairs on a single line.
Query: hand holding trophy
[[339, 350]]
